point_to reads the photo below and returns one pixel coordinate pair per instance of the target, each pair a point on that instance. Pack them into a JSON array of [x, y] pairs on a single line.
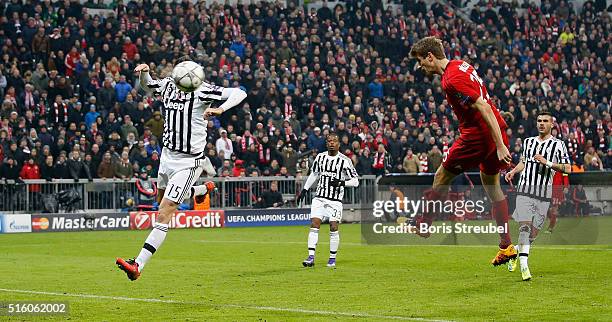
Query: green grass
[[247, 274]]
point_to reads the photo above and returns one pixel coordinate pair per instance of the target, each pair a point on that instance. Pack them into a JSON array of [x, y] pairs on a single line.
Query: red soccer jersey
[[463, 87]]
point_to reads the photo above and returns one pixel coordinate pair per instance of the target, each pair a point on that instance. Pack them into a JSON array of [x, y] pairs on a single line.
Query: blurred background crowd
[[72, 108]]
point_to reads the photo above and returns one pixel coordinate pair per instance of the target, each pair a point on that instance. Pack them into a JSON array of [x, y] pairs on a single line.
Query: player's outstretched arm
[[487, 114], [143, 76], [518, 169], [232, 97]]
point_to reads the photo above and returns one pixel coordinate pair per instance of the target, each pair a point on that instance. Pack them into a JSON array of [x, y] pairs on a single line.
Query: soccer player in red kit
[[482, 142], [560, 182]]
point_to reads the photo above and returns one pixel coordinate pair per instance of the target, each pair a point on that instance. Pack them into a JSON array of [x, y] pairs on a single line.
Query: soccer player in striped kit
[[183, 156], [542, 157], [332, 171]]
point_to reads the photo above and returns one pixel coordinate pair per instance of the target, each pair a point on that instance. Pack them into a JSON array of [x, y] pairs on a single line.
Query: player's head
[[333, 143], [545, 123], [428, 51]]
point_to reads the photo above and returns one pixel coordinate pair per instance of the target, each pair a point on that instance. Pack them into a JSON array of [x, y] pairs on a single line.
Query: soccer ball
[[188, 76]]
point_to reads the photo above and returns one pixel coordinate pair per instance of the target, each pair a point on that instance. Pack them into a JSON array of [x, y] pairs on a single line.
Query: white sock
[[154, 240], [524, 243], [334, 242], [313, 239], [524, 255], [196, 191]]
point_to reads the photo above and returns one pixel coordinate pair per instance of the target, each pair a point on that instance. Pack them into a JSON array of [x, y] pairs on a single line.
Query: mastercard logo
[[40, 223]]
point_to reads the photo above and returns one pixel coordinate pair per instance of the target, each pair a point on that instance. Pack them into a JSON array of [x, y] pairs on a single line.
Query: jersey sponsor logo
[[182, 219]]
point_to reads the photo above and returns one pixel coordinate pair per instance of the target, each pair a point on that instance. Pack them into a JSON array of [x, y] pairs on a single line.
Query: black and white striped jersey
[[536, 179], [184, 122], [326, 167]]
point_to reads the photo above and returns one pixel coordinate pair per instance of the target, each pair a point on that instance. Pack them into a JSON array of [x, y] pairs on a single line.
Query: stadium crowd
[[72, 107]]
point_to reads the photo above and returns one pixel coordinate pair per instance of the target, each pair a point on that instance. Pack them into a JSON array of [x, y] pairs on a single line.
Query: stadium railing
[[99, 195]]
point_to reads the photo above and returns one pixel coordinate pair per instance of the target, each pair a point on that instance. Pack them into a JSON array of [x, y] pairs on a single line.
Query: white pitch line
[[390, 245], [236, 306]]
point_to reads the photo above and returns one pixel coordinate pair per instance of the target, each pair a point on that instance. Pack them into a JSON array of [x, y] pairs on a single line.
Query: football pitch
[[248, 274]]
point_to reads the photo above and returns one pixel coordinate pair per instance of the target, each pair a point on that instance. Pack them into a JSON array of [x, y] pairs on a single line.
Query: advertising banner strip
[[267, 217], [80, 222], [140, 220], [15, 223]]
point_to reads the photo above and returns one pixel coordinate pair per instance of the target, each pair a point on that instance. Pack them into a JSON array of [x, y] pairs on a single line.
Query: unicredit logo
[[142, 221]]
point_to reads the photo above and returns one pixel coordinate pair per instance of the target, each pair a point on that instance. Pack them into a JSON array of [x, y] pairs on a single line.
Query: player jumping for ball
[[333, 171], [542, 157], [482, 142], [183, 156]]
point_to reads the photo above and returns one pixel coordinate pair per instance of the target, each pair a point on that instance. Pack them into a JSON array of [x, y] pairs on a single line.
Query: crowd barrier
[[110, 195]]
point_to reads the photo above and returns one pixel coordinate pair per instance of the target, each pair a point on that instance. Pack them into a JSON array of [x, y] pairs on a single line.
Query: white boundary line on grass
[[391, 245], [236, 306]]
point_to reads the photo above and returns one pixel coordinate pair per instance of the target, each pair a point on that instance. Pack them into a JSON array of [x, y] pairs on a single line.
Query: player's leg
[[334, 233], [179, 185], [499, 211], [313, 239], [539, 209], [334, 242], [439, 189], [553, 212]]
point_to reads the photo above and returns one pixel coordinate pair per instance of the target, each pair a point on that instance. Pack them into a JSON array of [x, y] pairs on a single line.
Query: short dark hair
[[546, 113], [428, 45]]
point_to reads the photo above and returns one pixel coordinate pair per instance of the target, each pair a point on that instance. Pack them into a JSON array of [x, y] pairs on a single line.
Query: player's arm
[[147, 82], [231, 96], [518, 169], [562, 159], [489, 117], [310, 181]]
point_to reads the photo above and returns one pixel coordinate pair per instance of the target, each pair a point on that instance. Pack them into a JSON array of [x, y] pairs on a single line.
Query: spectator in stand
[[123, 169], [224, 144], [106, 168], [77, 167], [156, 124], [61, 170], [271, 198], [412, 164]]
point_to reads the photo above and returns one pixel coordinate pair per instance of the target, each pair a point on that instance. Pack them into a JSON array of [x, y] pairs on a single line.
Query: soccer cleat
[[210, 186], [308, 262], [331, 263], [130, 267], [525, 273], [504, 255], [512, 264]]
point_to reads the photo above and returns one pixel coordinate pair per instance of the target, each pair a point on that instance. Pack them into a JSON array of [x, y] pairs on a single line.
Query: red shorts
[[468, 152], [560, 181]]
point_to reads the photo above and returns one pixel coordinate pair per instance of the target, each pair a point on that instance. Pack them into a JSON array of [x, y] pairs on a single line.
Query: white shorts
[[178, 172], [323, 209], [531, 210]]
